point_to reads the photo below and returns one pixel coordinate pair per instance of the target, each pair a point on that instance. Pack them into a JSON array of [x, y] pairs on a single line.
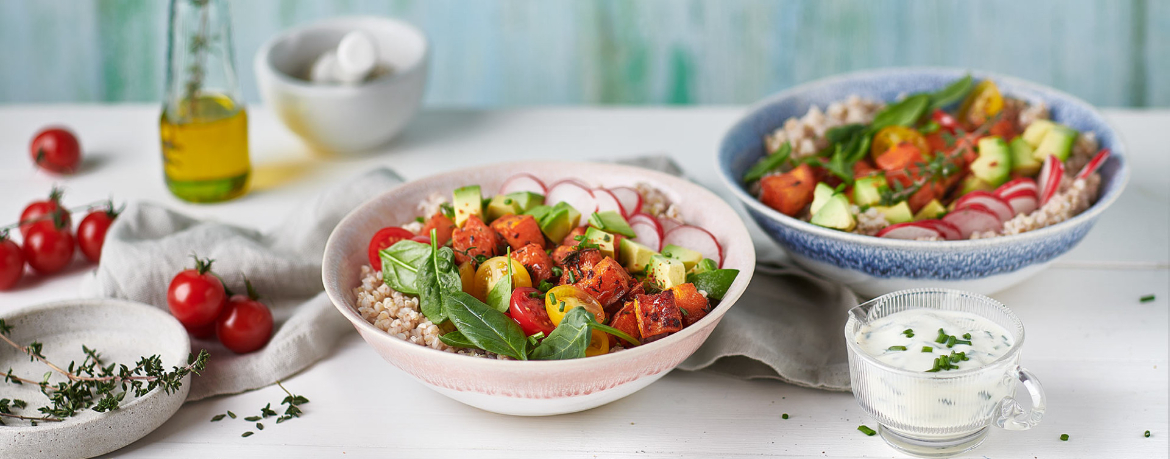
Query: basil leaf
[[487, 328], [843, 133], [768, 163], [904, 113], [456, 339], [954, 92], [500, 297], [715, 283], [569, 340], [437, 279], [400, 264]]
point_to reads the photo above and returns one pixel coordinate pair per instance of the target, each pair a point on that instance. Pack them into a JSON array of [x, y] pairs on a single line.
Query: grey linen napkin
[[148, 244]]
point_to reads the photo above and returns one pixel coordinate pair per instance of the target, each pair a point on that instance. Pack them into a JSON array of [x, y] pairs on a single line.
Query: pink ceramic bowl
[[533, 388]]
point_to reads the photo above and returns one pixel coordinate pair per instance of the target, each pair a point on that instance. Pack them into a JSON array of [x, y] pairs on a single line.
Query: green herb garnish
[[866, 430], [247, 434], [218, 417], [1147, 298], [1063, 437], [927, 349], [768, 163], [896, 348], [785, 416], [1147, 434]]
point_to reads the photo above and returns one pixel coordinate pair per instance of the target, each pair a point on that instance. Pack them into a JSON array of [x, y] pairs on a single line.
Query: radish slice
[[1022, 183], [1002, 209], [909, 231], [947, 230], [1050, 175], [648, 234], [697, 239], [1023, 202], [607, 201], [523, 182], [669, 223], [579, 182], [1094, 163], [630, 198], [973, 218], [572, 194]]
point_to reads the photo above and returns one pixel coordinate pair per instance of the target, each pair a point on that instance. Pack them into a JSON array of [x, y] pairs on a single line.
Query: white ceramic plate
[[122, 332]]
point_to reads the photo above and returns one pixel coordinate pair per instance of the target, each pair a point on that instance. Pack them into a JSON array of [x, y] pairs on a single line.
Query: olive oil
[[205, 148]]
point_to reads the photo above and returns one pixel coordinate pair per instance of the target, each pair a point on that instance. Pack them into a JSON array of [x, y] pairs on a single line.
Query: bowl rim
[[263, 62], [733, 294], [1121, 177]]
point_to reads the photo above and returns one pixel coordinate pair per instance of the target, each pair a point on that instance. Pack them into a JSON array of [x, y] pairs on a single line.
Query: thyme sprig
[[293, 410], [92, 384]]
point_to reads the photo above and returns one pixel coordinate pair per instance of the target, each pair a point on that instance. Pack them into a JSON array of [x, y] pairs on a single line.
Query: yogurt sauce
[[882, 337]]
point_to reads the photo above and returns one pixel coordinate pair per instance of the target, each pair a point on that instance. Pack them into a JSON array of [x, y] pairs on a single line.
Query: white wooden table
[[1101, 354]]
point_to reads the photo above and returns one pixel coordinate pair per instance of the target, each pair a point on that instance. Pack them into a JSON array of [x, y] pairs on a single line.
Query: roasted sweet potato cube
[[577, 260], [607, 281], [692, 304], [519, 230], [538, 262], [442, 225], [657, 315], [790, 192], [473, 239], [571, 239], [625, 320]]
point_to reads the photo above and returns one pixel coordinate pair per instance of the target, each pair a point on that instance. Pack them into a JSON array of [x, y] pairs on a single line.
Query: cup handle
[[1012, 416]]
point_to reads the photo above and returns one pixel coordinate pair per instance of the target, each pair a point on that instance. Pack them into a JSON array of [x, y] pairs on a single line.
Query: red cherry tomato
[[44, 210], [245, 325], [11, 262], [945, 120], [203, 331], [422, 238], [56, 150], [196, 296], [48, 248], [385, 237], [91, 233], [529, 312]]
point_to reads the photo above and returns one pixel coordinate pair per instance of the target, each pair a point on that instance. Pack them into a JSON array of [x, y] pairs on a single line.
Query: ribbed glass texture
[[940, 405]]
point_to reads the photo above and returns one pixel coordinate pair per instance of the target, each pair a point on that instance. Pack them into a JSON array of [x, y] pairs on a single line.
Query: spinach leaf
[[437, 279], [904, 113], [715, 283], [843, 133], [456, 339], [487, 328], [569, 340], [768, 163], [500, 297], [401, 262], [954, 92]]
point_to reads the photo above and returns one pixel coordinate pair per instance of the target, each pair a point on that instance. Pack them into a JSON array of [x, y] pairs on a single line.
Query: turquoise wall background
[[491, 53]]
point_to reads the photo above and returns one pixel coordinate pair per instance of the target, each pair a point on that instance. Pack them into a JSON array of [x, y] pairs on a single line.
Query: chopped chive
[[927, 349], [962, 341], [866, 430], [966, 336], [562, 308], [247, 434], [218, 417], [508, 201], [231, 415], [557, 271], [1147, 298], [1063, 437], [785, 416], [896, 348], [420, 219], [1147, 434], [684, 312], [572, 279], [951, 341]]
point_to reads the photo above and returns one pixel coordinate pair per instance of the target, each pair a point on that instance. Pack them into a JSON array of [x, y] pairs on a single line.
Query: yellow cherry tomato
[[467, 277], [598, 344], [493, 270], [981, 104], [563, 298], [890, 136]]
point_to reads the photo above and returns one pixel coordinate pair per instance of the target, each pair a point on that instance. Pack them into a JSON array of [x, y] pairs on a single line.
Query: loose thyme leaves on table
[[293, 410], [1147, 434], [785, 416], [1063, 437], [866, 430], [1147, 298]]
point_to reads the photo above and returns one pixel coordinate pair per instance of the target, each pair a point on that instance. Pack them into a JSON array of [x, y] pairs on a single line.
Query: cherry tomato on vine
[[245, 325], [385, 237], [43, 209], [55, 149], [91, 233], [48, 246], [203, 331], [527, 309], [196, 296], [11, 262]]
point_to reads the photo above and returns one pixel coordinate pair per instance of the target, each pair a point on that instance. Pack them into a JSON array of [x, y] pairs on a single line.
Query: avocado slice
[[1023, 161], [634, 256], [868, 191], [821, 194], [932, 209], [666, 272], [604, 241], [526, 199], [703, 266], [973, 183], [502, 205], [897, 213], [835, 214], [557, 223], [1057, 141], [688, 257], [612, 222], [1036, 132], [468, 202], [574, 216], [994, 164]]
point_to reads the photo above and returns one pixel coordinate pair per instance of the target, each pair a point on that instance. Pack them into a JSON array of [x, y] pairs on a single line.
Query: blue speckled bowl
[[874, 266]]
